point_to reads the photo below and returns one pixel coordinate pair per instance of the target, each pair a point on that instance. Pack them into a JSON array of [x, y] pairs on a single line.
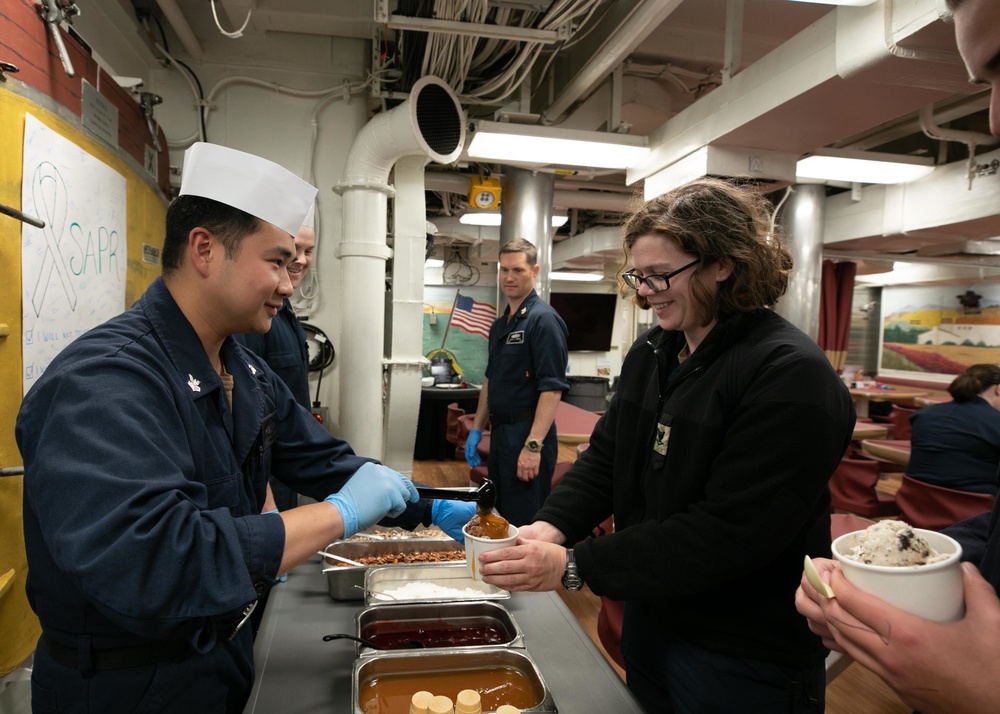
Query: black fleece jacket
[[710, 535]]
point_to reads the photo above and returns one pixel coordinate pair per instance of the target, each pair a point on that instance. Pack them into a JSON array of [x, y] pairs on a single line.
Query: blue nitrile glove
[[451, 516], [475, 436], [372, 493], [284, 576]]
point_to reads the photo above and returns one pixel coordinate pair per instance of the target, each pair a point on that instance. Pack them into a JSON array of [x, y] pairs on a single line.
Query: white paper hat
[[260, 187], [310, 217]]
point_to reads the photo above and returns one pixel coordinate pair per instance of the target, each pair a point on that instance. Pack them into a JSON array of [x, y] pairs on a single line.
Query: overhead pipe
[[526, 212], [646, 17], [802, 220], [172, 11], [405, 340], [430, 122], [810, 69], [972, 139], [931, 128]]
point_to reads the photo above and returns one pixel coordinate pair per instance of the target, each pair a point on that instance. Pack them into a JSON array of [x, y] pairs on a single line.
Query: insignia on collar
[[253, 370], [195, 384], [524, 311], [662, 438]]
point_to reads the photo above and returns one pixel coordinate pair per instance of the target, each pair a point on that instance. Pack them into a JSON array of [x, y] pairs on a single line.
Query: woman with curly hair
[[714, 457]]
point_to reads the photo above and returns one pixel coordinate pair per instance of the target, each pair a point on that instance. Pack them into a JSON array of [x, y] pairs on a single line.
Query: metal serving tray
[[460, 665], [346, 583], [451, 575], [446, 618]]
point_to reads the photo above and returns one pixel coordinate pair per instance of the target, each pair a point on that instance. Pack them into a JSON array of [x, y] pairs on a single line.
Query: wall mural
[[456, 331], [939, 331]]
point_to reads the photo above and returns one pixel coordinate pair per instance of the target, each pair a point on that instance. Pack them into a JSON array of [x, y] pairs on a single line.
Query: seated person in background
[[957, 444]]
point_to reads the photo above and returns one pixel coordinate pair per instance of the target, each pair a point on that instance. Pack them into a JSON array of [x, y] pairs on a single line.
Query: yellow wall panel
[[146, 210]]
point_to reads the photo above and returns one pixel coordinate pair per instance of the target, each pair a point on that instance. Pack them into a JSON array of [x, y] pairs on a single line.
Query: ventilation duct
[[430, 123]]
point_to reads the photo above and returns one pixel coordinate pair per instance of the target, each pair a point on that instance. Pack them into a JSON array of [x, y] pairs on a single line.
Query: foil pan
[[474, 624], [347, 582], [454, 576], [387, 680]]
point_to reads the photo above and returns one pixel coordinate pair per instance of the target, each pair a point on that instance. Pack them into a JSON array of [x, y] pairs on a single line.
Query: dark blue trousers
[[519, 501]]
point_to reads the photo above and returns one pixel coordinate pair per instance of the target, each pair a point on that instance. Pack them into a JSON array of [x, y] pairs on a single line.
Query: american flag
[[472, 316]]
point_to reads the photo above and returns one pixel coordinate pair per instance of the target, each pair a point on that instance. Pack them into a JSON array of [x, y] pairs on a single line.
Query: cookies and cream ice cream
[[892, 543]]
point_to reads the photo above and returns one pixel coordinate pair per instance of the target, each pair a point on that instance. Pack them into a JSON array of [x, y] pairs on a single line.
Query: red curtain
[[836, 296]]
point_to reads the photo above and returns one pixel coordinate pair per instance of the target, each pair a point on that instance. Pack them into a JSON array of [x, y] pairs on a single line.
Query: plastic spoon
[[812, 575], [342, 560]]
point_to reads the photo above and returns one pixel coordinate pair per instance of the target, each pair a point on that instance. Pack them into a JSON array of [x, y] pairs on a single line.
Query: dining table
[[864, 395], [869, 430], [931, 400], [895, 450], [573, 424]]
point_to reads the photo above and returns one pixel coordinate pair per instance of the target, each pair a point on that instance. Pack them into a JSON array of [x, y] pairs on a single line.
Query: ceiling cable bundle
[[457, 270]]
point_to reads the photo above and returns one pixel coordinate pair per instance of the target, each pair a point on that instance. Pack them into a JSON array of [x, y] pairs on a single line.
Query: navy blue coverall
[[528, 355], [284, 349], [142, 525]]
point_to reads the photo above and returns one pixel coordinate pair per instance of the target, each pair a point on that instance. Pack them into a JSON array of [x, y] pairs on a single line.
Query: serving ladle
[[408, 645], [485, 496]]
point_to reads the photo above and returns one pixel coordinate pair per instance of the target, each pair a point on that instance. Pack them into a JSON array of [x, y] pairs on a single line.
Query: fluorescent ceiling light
[[577, 277], [492, 218], [540, 145], [433, 263], [480, 218], [854, 3], [852, 166]]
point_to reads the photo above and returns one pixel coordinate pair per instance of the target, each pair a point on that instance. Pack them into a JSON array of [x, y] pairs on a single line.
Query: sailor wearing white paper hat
[[285, 349], [147, 444]]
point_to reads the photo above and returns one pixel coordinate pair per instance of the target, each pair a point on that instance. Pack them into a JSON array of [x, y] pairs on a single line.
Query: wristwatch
[[533, 445], [571, 579]]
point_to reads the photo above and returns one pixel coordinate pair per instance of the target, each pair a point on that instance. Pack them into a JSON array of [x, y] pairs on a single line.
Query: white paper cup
[[932, 591], [474, 545]]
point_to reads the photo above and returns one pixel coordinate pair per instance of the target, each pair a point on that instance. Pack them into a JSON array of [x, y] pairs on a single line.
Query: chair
[[609, 617], [900, 418], [561, 468], [465, 422], [609, 628], [852, 488], [925, 505], [844, 523], [453, 428], [854, 451]]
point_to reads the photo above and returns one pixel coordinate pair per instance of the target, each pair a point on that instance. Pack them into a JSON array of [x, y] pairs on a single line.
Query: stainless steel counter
[[297, 672]]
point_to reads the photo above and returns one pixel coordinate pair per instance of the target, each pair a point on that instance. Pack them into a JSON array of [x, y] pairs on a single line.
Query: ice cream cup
[[932, 591], [474, 545]]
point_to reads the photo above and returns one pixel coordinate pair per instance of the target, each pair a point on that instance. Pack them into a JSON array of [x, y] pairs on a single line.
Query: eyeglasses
[[656, 283]]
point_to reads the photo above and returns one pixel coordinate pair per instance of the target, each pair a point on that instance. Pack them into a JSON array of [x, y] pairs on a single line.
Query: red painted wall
[[25, 41]]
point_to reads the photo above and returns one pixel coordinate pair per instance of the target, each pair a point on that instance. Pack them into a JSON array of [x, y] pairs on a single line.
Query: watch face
[[484, 199], [572, 582]]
